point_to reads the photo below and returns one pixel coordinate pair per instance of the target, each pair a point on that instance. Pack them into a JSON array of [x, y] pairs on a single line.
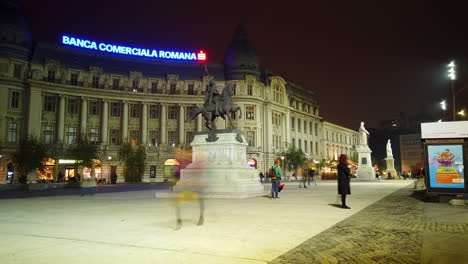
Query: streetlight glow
[[462, 112], [451, 71], [443, 105]]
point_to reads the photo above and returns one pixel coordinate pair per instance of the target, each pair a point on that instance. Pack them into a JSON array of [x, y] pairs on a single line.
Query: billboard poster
[[446, 166]]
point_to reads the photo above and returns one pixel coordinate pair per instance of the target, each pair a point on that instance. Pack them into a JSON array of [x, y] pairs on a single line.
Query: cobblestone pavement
[[392, 230]]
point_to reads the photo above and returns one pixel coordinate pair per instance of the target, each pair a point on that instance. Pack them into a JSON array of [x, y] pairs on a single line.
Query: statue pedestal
[[365, 172], [219, 167], [391, 168]]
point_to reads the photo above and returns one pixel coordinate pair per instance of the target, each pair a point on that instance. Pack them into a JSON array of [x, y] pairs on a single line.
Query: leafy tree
[[84, 153], [134, 159], [294, 158], [29, 156]]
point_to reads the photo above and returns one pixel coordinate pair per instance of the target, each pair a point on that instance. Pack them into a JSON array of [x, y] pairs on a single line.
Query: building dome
[[240, 58], [15, 33]]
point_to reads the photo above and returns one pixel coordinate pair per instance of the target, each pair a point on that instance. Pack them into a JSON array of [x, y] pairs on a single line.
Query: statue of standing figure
[[389, 149], [363, 134]]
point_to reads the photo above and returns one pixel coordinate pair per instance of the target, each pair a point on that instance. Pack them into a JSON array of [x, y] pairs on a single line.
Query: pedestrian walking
[[343, 180], [275, 174], [311, 175]]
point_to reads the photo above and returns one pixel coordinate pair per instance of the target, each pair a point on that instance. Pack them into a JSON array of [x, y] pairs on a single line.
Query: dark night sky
[[365, 60]]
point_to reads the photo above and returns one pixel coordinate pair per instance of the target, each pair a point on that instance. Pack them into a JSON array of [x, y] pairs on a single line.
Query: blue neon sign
[[141, 52]]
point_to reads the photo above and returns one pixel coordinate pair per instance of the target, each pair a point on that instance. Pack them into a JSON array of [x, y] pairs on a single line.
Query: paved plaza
[[385, 225]]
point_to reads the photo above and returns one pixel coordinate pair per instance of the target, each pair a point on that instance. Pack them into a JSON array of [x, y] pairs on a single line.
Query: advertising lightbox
[[446, 167]]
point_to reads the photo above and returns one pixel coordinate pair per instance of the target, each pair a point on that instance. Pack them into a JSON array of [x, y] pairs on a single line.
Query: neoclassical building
[[59, 92]]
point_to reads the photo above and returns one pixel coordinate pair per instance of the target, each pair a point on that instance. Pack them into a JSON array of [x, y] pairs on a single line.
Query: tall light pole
[[452, 75]]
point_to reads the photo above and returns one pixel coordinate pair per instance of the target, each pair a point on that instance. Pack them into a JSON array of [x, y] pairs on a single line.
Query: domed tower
[[240, 58], [15, 33]]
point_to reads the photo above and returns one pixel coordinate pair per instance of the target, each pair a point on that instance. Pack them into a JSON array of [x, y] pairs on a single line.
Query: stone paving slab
[[135, 227], [400, 228]]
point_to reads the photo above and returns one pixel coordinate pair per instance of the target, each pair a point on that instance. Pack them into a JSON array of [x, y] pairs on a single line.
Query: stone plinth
[[391, 168], [365, 172], [219, 167]]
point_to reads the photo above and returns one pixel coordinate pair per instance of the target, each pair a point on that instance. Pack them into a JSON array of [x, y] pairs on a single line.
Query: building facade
[[338, 140], [412, 153], [60, 94]]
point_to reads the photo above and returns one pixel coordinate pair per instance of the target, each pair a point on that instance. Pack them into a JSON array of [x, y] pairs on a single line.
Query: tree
[[294, 158], [84, 153], [134, 159], [29, 156]]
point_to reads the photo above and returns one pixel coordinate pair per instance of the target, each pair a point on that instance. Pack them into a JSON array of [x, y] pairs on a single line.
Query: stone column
[[84, 116], [105, 121], [144, 124], [61, 120], [268, 129], [287, 126], [163, 124], [199, 122], [181, 124], [125, 122]]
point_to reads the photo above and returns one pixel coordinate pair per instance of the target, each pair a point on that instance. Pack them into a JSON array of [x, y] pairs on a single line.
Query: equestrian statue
[[216, 105]]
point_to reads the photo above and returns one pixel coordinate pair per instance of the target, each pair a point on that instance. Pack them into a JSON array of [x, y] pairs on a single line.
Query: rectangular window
[[135, 137], [116, 84], [51, 76], [189, 136], [50, 103], [299, 144], [15, 99], [277, 94], [48, 134], [172, 138], [311, 147], [316, 129], [251, 138], [95, 82], [311, 128], [115, 136], [250, 112], [191, 90], [154, 138], [305, 126], [172, 113], [135, 84], [249, 89], [292, 123], [134, 110], [71, 135], [153, 172], [234, 89], [316, 148], [305, 145], [116, 109], [298, 125], [172, 88], [72, 106], [188, 111], [94, 108], [12, 132], [293, 142], [18, 71], [93, 135], [154, 87], [154, 112], [74, 79]]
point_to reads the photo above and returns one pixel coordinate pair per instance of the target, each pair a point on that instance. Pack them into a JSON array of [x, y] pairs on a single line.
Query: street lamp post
[[452, 75]]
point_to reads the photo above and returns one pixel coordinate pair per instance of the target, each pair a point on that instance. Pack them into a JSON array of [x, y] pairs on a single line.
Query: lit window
[[48, 134], [71, 135], [251, 138], [135, 137], [93, 135], [250, 112]]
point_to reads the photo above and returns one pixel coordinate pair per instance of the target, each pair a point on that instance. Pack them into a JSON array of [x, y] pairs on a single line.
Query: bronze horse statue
[[222, 108]]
